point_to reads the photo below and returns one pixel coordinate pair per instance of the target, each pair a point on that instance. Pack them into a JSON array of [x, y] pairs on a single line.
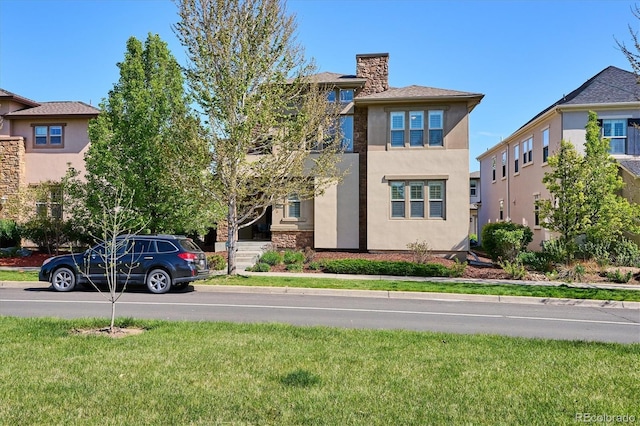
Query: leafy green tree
[[272, 131], [566, 212], [585, 193], [148, 142]]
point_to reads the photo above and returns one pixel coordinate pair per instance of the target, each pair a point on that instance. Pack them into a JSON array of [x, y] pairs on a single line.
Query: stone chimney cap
[[372, 55]]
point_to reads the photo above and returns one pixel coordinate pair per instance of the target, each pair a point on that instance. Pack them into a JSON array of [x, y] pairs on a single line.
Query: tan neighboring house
[[511, 172], [39, 140], [407, 153]]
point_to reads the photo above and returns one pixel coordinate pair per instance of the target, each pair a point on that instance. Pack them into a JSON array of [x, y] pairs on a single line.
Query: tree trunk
[[232, 237]]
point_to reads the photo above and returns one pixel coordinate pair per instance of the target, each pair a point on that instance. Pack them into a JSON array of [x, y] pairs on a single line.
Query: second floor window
[[473, 188], [504, 164], [48, 135], [616, 131], [516, 159], [527, 151], [545, 145], [346, 124], [410, 128]]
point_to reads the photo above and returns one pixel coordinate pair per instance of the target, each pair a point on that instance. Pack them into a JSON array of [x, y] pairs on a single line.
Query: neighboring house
[[40, 140], [474, 201], [511, 172], [406, 150]]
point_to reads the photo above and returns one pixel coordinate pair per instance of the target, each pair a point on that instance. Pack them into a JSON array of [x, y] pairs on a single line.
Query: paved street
[[337, 309]]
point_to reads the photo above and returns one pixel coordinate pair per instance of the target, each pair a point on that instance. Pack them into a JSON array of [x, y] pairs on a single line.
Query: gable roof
[[611, 85], [63, 108], [337, 79], [418, 93], [5, 94]]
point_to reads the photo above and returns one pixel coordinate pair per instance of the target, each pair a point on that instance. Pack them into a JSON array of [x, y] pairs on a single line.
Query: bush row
[[380, 267]]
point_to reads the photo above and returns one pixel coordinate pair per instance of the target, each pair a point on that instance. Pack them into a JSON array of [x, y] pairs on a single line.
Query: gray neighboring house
[[511, 172]]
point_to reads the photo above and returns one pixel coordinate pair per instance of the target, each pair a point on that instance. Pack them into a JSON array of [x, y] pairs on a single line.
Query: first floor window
[[293, 206], [397, 199], [49, 135], [536, 210], [436, 199], [501, 217], [50, 204], [421, 193]]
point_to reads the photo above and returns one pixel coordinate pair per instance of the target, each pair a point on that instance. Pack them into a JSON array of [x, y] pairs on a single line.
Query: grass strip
[[562, 291], [221, 373], [18, 275]]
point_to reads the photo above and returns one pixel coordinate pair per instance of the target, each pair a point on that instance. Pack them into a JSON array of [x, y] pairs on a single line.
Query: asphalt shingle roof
[[10, 95], [416, 92], [56, 108]]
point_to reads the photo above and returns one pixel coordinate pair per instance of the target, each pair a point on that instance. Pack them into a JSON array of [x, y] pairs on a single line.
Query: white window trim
[[426, 200]]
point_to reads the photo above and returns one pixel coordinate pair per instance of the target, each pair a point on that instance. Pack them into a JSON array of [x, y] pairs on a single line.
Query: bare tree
[[271, 130], [632, 53], [115, 254]]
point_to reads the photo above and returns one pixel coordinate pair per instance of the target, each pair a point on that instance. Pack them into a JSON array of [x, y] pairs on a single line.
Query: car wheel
[[63, 279], [158, 281]]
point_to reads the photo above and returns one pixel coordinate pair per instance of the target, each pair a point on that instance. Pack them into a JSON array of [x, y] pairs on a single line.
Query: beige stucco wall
[[51, 163], [449, 163], [336, 212]]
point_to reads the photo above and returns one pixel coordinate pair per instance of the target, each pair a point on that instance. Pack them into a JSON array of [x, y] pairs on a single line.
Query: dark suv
[[159, 261]]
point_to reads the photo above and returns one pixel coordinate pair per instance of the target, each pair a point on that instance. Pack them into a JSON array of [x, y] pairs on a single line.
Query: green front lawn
[[220, 373]]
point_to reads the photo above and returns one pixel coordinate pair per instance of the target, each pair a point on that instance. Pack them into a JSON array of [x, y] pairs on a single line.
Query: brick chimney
[[375, 68]]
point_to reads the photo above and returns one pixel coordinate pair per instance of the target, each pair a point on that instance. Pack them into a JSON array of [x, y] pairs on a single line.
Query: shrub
[[271, 257], [379, 267], [619, 277], [216, 262], [259, 267], [554, 251], [293, 257], [457, 269], [625, 253], [294, 267], [48, 233], [315, 266], [537, 261], [515, 270], [420, 250], [507, 244], [9, 233]]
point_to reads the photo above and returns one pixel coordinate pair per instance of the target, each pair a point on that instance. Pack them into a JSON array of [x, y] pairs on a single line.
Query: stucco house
[[407, 154], [39, 140], [511, 172]]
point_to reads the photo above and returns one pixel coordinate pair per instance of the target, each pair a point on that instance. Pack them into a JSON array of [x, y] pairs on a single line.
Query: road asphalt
[[402, 294]]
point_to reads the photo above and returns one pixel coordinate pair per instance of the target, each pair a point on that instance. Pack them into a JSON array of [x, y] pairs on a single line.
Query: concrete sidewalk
[[452, 297]]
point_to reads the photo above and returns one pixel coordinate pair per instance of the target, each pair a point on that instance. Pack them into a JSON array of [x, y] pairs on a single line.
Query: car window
[[165, 247], [143, 246], [189, 245]]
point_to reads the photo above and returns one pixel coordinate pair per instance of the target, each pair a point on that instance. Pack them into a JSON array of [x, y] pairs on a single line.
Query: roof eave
[[518, 133], [609, 105], [475, 98]]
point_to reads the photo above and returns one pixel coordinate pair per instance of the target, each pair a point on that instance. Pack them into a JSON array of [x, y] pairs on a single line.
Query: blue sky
[[523, 55]]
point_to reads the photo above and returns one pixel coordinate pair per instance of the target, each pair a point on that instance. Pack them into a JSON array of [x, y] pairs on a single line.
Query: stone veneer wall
[[292, 239], [12, 165], [375, 68]]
